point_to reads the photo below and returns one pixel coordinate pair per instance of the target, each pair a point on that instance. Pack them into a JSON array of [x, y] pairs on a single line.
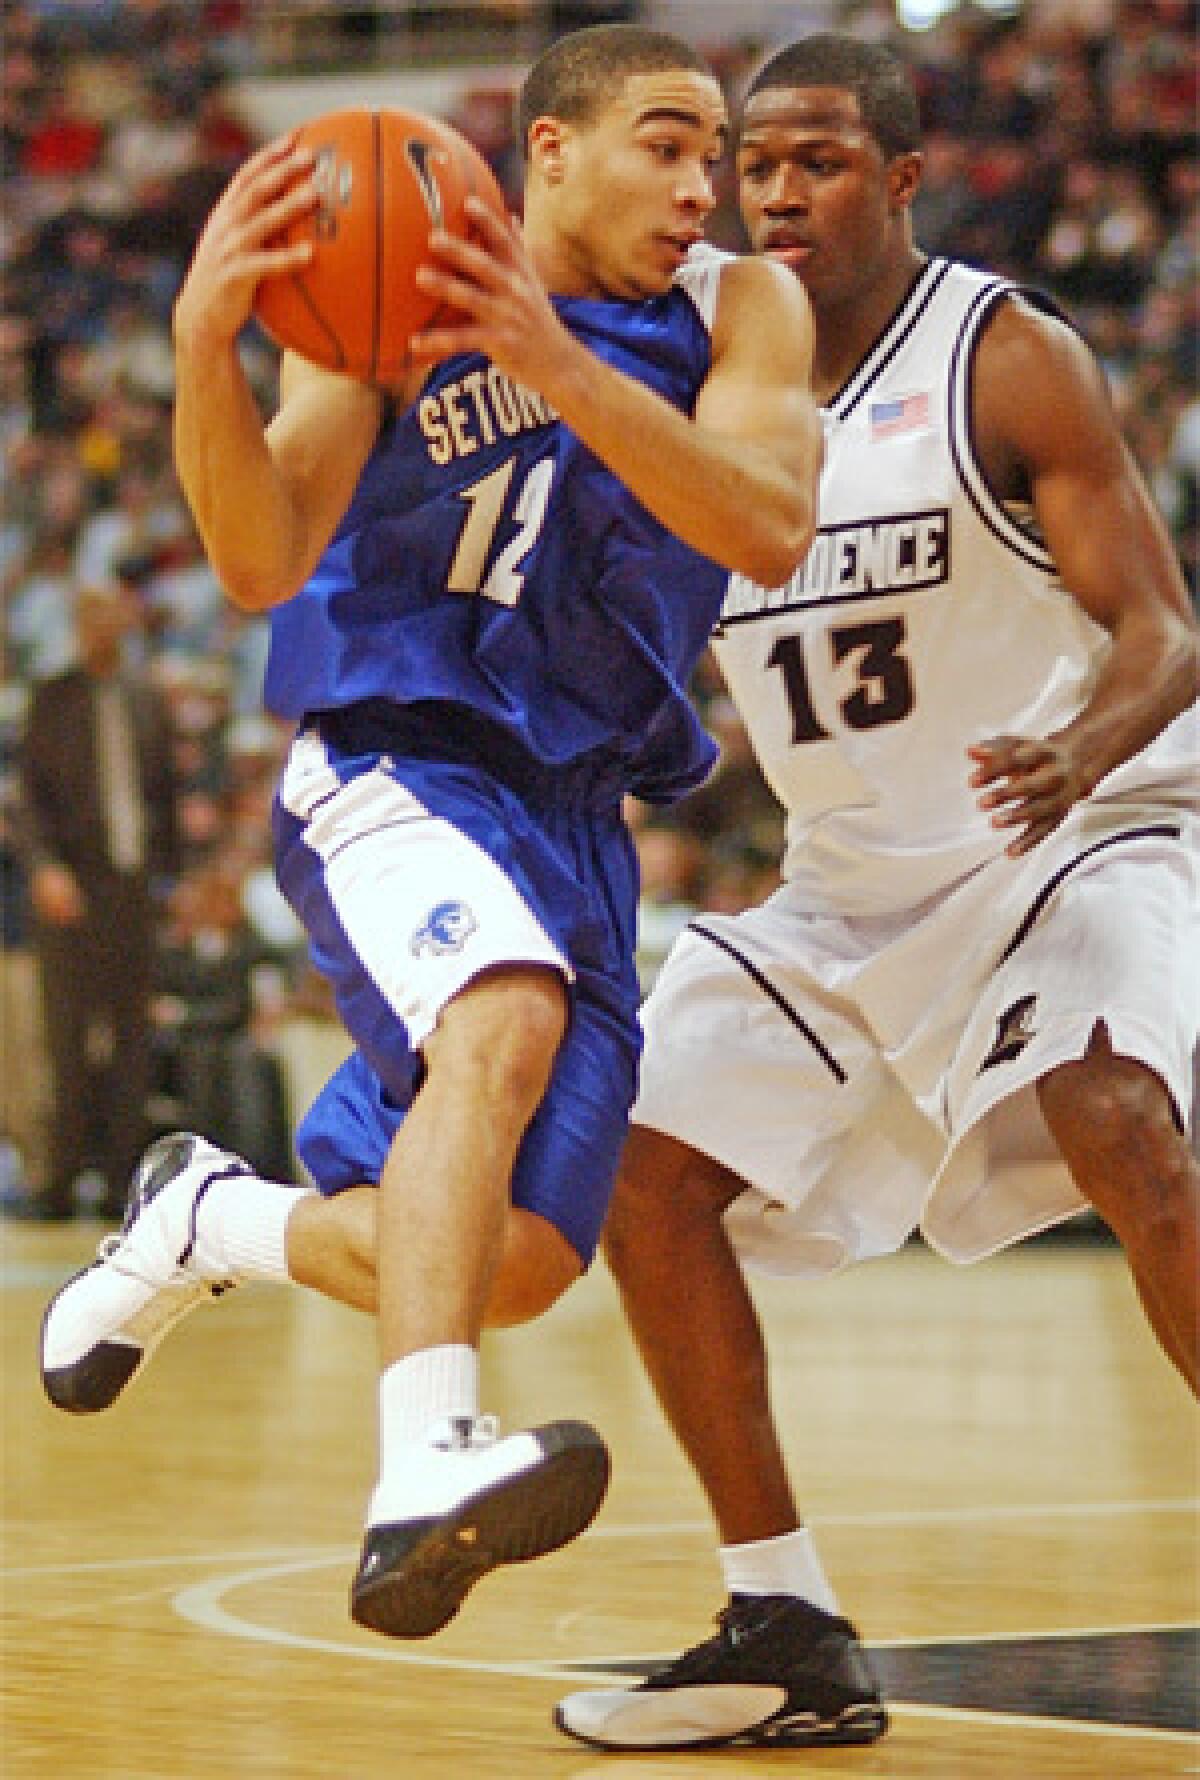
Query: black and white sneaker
[[102, 1326], [779, 1674], [511, 1499]]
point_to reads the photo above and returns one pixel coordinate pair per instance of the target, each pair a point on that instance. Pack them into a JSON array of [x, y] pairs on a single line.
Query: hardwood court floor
[[989, 1457]]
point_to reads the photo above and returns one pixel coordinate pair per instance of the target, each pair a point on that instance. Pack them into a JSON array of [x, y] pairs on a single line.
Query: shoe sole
[[856, 1726], [517, 1519], [95, 1381]]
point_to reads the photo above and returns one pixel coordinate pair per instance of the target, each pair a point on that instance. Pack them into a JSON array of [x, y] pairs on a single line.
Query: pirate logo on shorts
[[1014, 1029], [446, 928]]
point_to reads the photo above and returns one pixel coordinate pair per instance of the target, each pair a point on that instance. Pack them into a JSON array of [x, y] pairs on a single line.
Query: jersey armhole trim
[[990, 510]]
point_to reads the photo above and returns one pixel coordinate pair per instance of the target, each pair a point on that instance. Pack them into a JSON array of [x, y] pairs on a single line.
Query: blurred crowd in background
[[1060, 149]]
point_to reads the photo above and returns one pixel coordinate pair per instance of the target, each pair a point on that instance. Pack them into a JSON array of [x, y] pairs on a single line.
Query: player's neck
[[846, 332], [563, 270]]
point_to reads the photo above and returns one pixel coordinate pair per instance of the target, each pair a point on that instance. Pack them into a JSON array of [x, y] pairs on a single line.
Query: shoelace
[[469, 1434], [109, 1249], [732, 1621], [725, 1623], [106, 1250]]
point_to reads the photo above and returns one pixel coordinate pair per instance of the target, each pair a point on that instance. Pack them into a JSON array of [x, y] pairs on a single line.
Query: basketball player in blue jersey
[[972, 1005], [488, 590]]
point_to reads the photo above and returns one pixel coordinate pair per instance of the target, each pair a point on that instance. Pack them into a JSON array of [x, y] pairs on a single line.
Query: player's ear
[[903, 178], [547, 148]]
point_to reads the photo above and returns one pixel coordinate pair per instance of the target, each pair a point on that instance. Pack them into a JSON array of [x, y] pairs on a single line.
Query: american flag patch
[[903, 414]]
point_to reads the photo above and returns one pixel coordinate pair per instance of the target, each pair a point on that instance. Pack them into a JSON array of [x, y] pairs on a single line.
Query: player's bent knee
[[502, 1033], [537, 1266], [1110, 1106], [1113, 1120], [536, 997], [664, 1190]]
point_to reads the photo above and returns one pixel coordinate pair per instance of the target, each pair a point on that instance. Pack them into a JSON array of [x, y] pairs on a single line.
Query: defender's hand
[[1027, 784]]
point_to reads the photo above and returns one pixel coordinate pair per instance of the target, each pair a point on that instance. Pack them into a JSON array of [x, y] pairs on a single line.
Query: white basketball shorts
[[868, 1077]]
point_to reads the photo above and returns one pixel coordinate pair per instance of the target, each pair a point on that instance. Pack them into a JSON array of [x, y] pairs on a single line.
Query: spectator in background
[[40, 630], [23, 1087], [945, 200], [211, 1073], [131, 530], [97, 823], [62, 139], [1101, 242]]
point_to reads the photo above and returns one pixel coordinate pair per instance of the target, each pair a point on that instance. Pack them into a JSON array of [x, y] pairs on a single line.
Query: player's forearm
[[1150, 676], [225, 468], [726, 496]]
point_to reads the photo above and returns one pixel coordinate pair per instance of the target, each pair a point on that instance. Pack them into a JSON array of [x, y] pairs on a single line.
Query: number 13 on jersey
[[883, 689]]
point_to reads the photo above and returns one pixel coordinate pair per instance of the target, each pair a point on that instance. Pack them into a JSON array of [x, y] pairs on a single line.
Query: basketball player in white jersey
[[971, 1008]]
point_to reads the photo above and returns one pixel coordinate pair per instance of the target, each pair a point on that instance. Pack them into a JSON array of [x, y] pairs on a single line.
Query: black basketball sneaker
[[779, 1673]]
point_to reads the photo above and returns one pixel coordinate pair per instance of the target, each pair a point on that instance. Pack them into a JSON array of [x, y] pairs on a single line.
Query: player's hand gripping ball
[[386, 177]]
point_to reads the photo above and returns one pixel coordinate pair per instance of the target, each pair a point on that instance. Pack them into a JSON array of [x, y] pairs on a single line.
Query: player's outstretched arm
[[736, 480], [265, 501], [1044, 423]]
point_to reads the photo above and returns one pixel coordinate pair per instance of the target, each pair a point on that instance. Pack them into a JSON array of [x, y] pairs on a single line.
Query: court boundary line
[[966, 1516], [659, 1529], [90, 1565]]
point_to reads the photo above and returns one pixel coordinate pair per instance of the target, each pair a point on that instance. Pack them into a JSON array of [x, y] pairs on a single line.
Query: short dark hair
[[874, 73], [581, 72]]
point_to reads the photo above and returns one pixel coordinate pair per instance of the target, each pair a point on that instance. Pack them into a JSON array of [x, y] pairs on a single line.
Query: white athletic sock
[[424, 1388], [416, 1396], [241, 1228], [785, 1565]]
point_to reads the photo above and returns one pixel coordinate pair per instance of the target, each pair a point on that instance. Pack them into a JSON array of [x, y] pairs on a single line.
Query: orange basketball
[[386, 178]]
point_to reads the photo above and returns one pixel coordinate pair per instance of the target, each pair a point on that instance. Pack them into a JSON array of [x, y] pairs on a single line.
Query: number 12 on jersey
[[486, 502]]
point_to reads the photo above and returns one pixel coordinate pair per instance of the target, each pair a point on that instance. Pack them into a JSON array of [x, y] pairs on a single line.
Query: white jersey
[[863, 1048], [926, 616]]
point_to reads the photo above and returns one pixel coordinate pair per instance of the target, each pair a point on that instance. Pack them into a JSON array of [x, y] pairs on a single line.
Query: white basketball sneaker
[[102, 1326], [477, 1502]]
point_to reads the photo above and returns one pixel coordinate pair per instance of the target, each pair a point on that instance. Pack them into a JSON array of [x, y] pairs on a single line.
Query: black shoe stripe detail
[[228, 1173], [1156, 831], [772, 993]]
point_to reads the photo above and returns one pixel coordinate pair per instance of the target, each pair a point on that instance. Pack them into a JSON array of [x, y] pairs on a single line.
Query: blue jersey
[[489, 562]]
